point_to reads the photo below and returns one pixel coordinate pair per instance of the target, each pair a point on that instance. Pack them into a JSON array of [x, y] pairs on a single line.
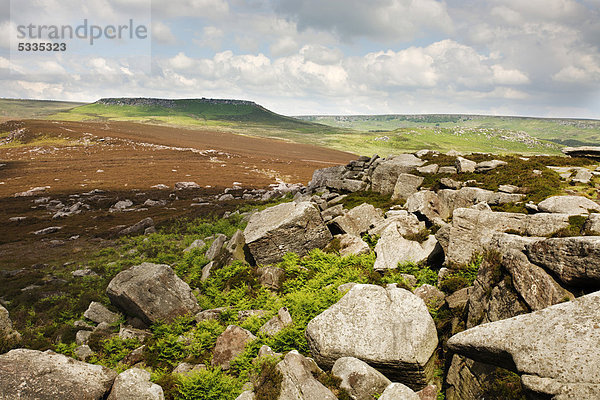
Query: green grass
[[24, 109]]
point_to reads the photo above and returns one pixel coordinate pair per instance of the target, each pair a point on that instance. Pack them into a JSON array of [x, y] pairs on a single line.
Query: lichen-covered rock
[[287, 227], [298, 381], [389, 328], [556, 349], [397, 391], [350, 244], [428, 205], [229, 345], [385, 175], [98, 313], [463, 165], [406, 185], [568, 205], [32, 374], [359, 379], [392, 249], [135, 384], [151, 292]]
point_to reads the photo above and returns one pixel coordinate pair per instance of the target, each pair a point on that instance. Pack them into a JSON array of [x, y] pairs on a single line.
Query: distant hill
[[24, 109]]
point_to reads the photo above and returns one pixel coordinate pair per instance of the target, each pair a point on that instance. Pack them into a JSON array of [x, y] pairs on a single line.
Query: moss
[[575, 228], [267, 383], [420, 236], [502, 385], [334, 246], [377, 200], [453, 283], [333, 383]]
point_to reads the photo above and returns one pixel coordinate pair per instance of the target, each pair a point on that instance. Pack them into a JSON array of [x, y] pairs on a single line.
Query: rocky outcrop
[[359, 379], [151, 292], [277, 323], [350, 244], [288, 227], [557, 349], [358, 220], [98, 313], [469, 196], [135, 384], [8, 336], [32, 374], [392, 248], [398, 391], [428, 206], [298, 381], [592, 152], [568, 205], [406, 185], [385, 175], [230, 344], [388, 328]]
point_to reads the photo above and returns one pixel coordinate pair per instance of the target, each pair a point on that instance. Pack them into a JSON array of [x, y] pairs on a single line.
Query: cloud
[[162, 34], [211, 37]]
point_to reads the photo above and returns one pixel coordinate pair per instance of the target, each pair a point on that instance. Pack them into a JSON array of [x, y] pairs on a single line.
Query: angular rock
[[358, 220], [98, 313], [592, 152], [8, 336], [568, 205], [583, 176], [277, 323], [447, 170], [288, 227], [406, 185], [392, 249], [385, 175], [135, 384], [83, 352], [432, 296], [389, 328], [271, 277], [229, 345], [575, 260], [350, 244], [508, 188], [332, 212], [133, 333], [428, 169], [406, 223], [186, 185], [397, 391], [451, 183], [485, 166], [469, 196], [32, 374], [215, 247], [463, 165], [151, 292], [187, 368], [322, 177], [561, 351], [347, 185], [298, 382], [428, 205], [359, 379], [139, 227], [196, 244], [246, 395]]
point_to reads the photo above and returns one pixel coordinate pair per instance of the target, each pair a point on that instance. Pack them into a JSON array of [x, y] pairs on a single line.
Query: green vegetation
[[462, 276], [26, 109], [375, 199], [575, 228]]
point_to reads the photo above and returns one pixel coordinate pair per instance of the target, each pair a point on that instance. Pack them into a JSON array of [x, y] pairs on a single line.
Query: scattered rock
[[185, 368], [271, 277], [359, 379], [508, 188], [229, 345], [277, 323], [350, 244], [568, 205], [288, 227], [135, 384], [80, 273], [83, 352], [298, 381], [485, 166], [216, 247], [186, 185], [463, 165], [429, 169], [32, 192], [196, 244], [32, 374], [121, 206], [358, 220], [389, 328], [98, 313], [48, 231], [151, 292]]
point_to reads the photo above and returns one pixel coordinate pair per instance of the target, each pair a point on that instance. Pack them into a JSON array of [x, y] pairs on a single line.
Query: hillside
[[21, 109]]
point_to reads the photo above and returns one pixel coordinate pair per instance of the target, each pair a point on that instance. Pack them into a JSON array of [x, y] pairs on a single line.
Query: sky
[[297, 57]]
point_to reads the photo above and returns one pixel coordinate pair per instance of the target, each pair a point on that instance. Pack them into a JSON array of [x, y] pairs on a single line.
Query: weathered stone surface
[[568, 205], [469, 196], [582, 151], [8, 335], [429, 392], [465, 378], [347, 185], [358, 220], [428, 205], [207, 315], [508, 188], [135, 384], [287, 227], [428, 169], [459, 299], [359, 379], [385, 175], [562, 345], [583, 176], [151, 292], [447, 170], [397, 391], [185, 368], [139, 227], [406, 185], [229, 345], [83, 352], [277, 323], [98, 313], [271, 277], [321, 177], [332, 212], [132, 333], [472, 228], [246, 395], [463, 165], [389, 328], [392, 248], [575, 260], [405, 222], [196, 244], [186, 185], [350, 244], [432, 296], [216, 247], [485, 166], [32, 374], [298, 381], [451, 183]]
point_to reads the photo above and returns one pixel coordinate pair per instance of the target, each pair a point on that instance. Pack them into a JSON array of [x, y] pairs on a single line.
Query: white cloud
[[504, 76], [211, 37], [162, 34]]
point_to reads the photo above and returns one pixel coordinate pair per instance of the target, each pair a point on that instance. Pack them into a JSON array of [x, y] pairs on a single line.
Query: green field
[[23, 109], [366, 135]]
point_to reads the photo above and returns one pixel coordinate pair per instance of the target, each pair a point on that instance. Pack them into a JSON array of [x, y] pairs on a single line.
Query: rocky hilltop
[[417, 276], [169, 103]]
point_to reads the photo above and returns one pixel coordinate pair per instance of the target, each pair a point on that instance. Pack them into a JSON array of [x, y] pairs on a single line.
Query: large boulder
[[469, 196], [322, 177], [556, 350], [575, 260], [388, 328], [298, 381], [592, 152], [32, 374], [472, 228], [98, 313], [429, 206], [135, 384], [8, 336], [385, 175], [359, 379], [151, 292], [406, 185], [463, 165], [358, 220], [406, 223], [392, 248], [230, 344], [350, 244], [398, 391], [568, 205], [287, 227]]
